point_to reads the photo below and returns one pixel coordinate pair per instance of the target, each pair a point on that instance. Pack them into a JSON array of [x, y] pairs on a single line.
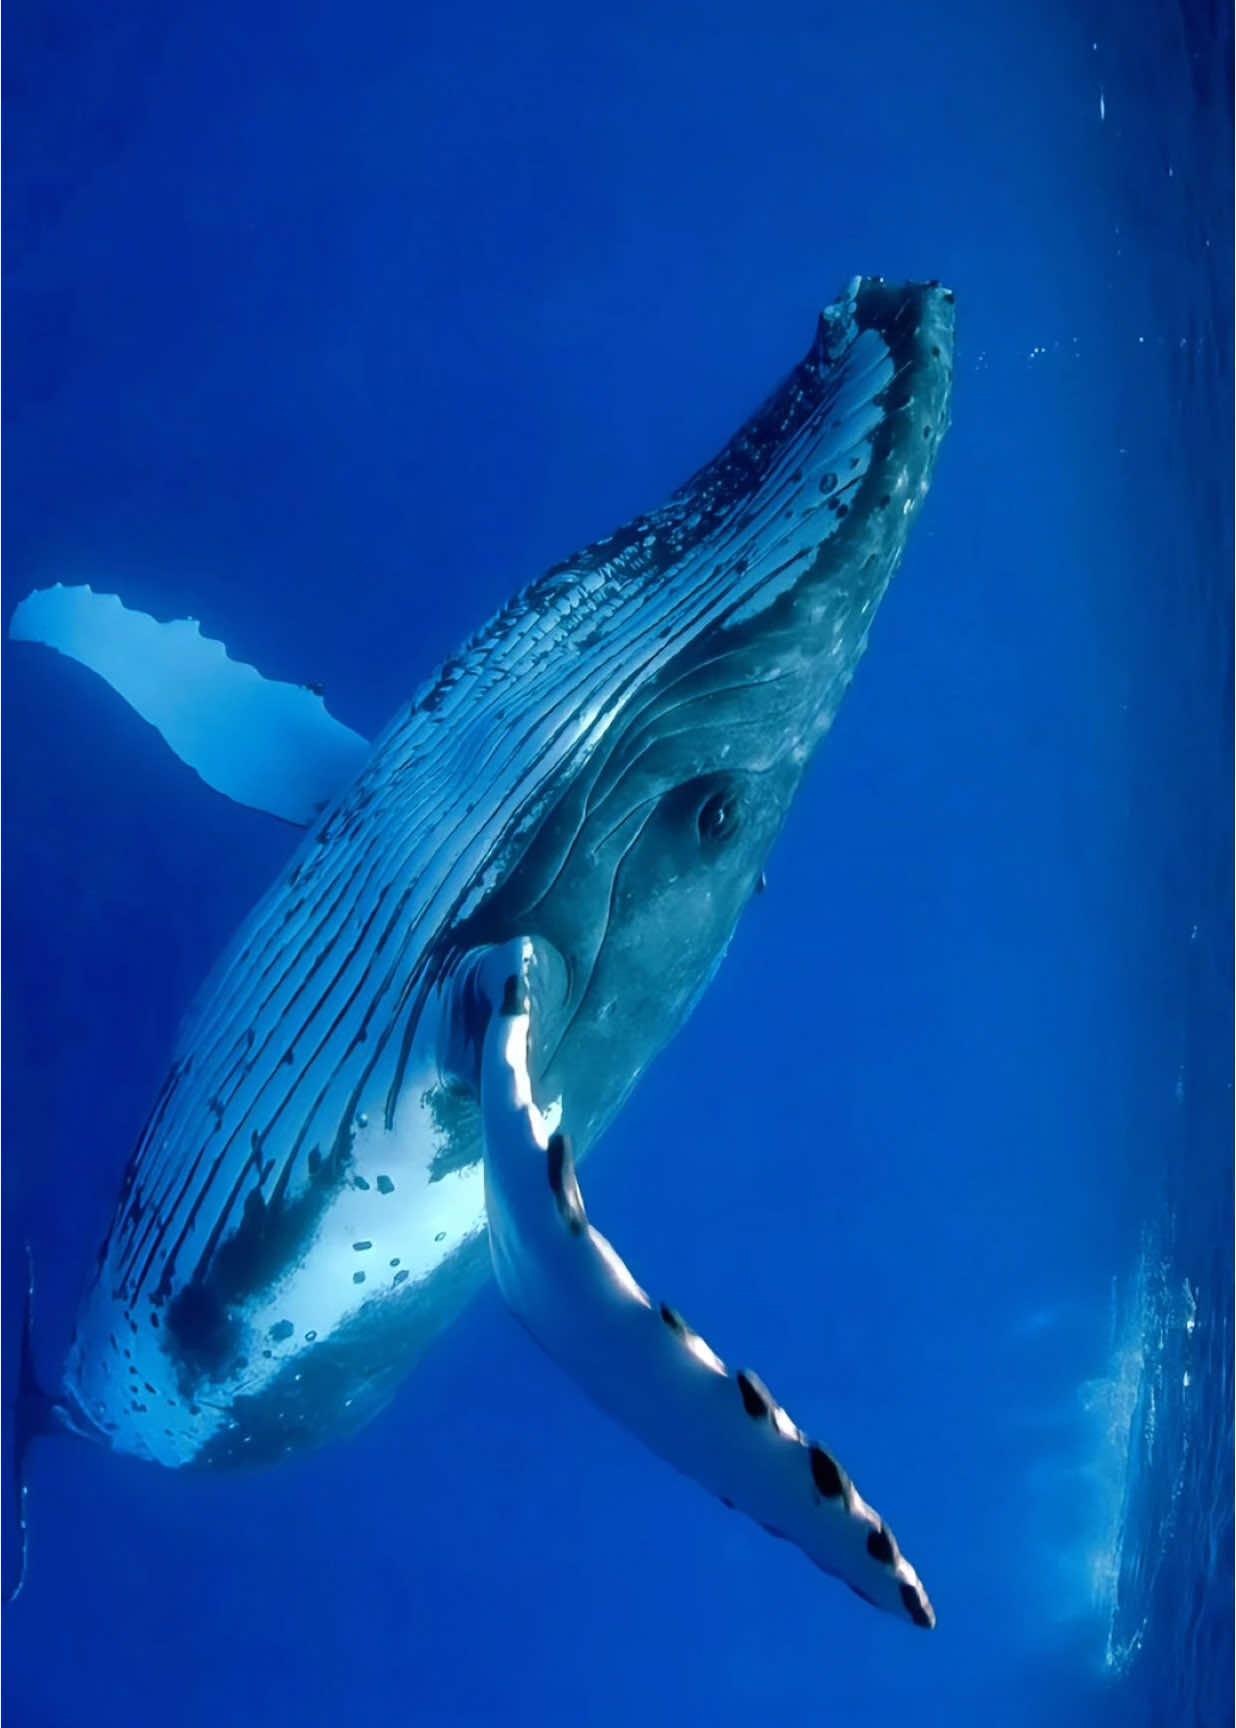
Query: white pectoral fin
[[269, 745], [635, 1356]]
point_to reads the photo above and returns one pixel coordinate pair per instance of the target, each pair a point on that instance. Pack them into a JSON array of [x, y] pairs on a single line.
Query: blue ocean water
[[331, 327]]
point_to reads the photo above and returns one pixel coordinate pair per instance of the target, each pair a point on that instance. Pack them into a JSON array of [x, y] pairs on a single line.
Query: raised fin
[[638, 1358], [269, 745]]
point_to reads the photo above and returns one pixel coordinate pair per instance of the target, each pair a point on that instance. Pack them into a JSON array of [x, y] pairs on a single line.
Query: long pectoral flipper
[[270, 745], [636, 1357]]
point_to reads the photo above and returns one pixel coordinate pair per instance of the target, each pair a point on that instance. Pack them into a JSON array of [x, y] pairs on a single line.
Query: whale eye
[[718, 817]]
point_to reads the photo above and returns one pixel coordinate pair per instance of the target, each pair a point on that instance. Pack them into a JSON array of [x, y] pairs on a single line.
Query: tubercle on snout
[[917, 323]]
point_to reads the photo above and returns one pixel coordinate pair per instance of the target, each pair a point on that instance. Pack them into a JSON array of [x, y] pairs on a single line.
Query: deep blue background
[[332, 325]]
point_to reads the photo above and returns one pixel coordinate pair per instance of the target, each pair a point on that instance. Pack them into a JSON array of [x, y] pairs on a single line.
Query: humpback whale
[[499, 912]]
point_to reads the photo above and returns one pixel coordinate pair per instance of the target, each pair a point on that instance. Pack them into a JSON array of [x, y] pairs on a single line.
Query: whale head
[[747, 603]]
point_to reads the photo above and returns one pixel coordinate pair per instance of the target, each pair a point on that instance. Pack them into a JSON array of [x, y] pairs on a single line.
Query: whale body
[[500, 910]]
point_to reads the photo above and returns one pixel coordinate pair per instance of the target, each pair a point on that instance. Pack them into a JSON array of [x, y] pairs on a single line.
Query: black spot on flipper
[[555, 1163], [881, 1547], [673, 1319], [826, 1474], [562, 1181], [917, 1607], [756, 1399], [727, 1502], [510, 997]]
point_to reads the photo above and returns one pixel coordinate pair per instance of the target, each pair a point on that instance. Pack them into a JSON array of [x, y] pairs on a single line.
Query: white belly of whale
[[392, 1254]]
